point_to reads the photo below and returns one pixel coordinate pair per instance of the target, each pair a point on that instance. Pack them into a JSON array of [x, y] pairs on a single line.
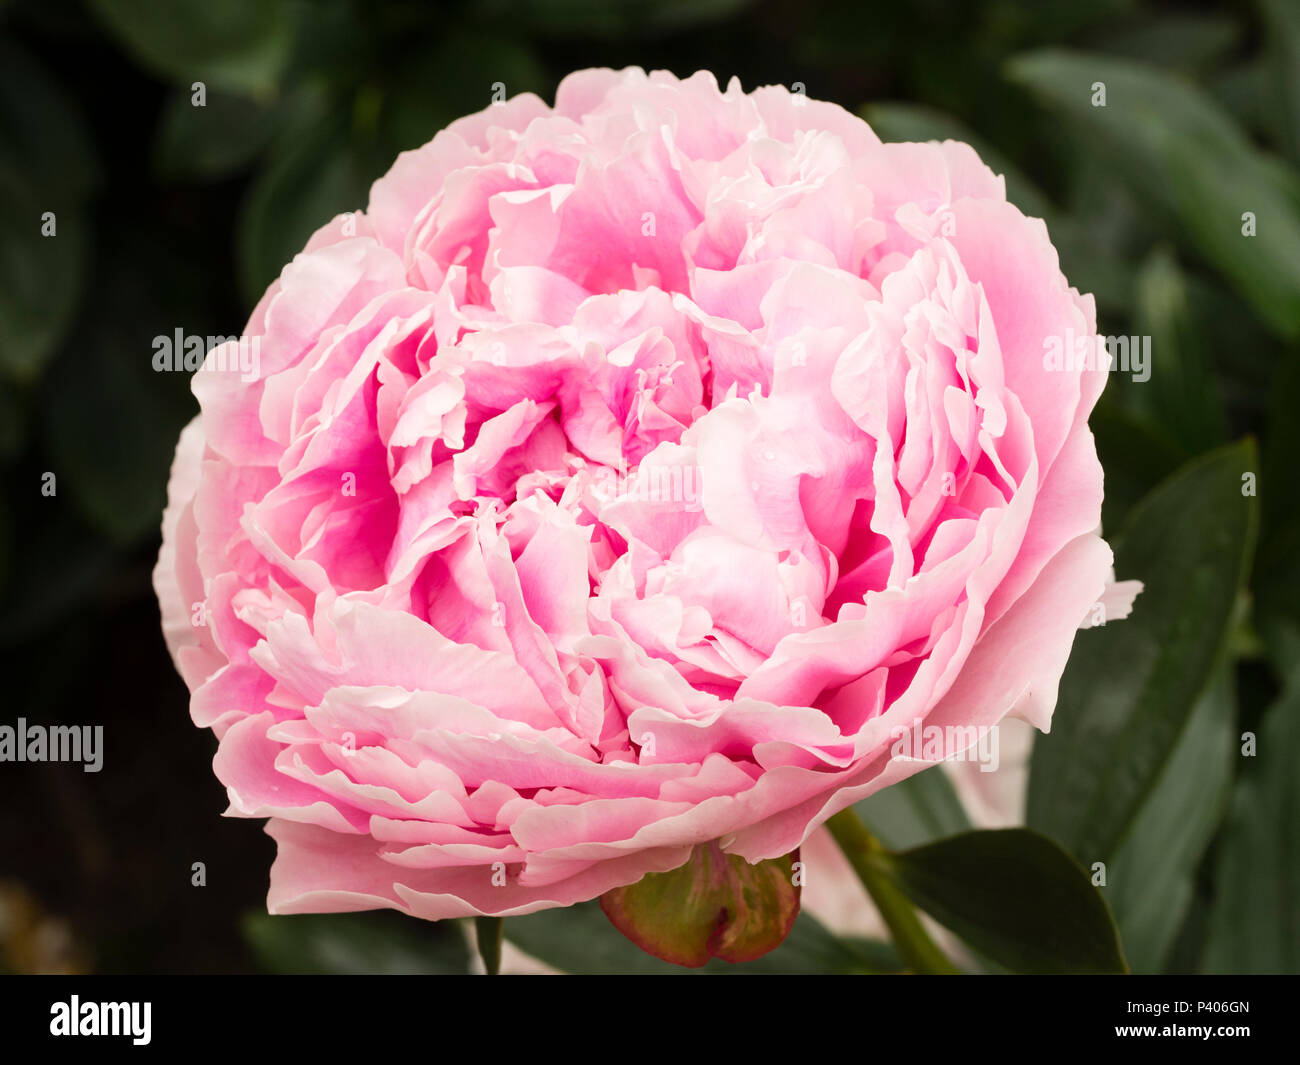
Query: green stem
[[488, 932], [867, 856]]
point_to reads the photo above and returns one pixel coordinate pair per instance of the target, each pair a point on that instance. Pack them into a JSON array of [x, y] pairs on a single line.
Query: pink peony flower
[[628, 477]]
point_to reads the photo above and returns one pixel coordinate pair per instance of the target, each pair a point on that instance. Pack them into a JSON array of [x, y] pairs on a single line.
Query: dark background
[[172, 216]]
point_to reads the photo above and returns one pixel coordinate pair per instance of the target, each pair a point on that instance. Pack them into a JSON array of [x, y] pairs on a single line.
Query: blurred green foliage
[[172, 215]]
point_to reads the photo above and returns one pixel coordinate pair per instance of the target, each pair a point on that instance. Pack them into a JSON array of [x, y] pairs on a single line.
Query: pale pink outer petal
[[176, 578]]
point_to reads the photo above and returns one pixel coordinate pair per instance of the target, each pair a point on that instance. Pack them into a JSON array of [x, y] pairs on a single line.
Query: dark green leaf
[[1243, 90], [237, 45], [1282, 32], [487, 937], [377, 943], [1129, 688], [1048, 20], [1181, 396], [40, 276], [108, 422], [610, 18], [43, 138], [1185, 42], [1212, 198], [1014, 896], [922, 808], [1186, 157], [1277, 572], [1134, 457], [1255, 919], [47, 170], [1149, 881], [212, 141]]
